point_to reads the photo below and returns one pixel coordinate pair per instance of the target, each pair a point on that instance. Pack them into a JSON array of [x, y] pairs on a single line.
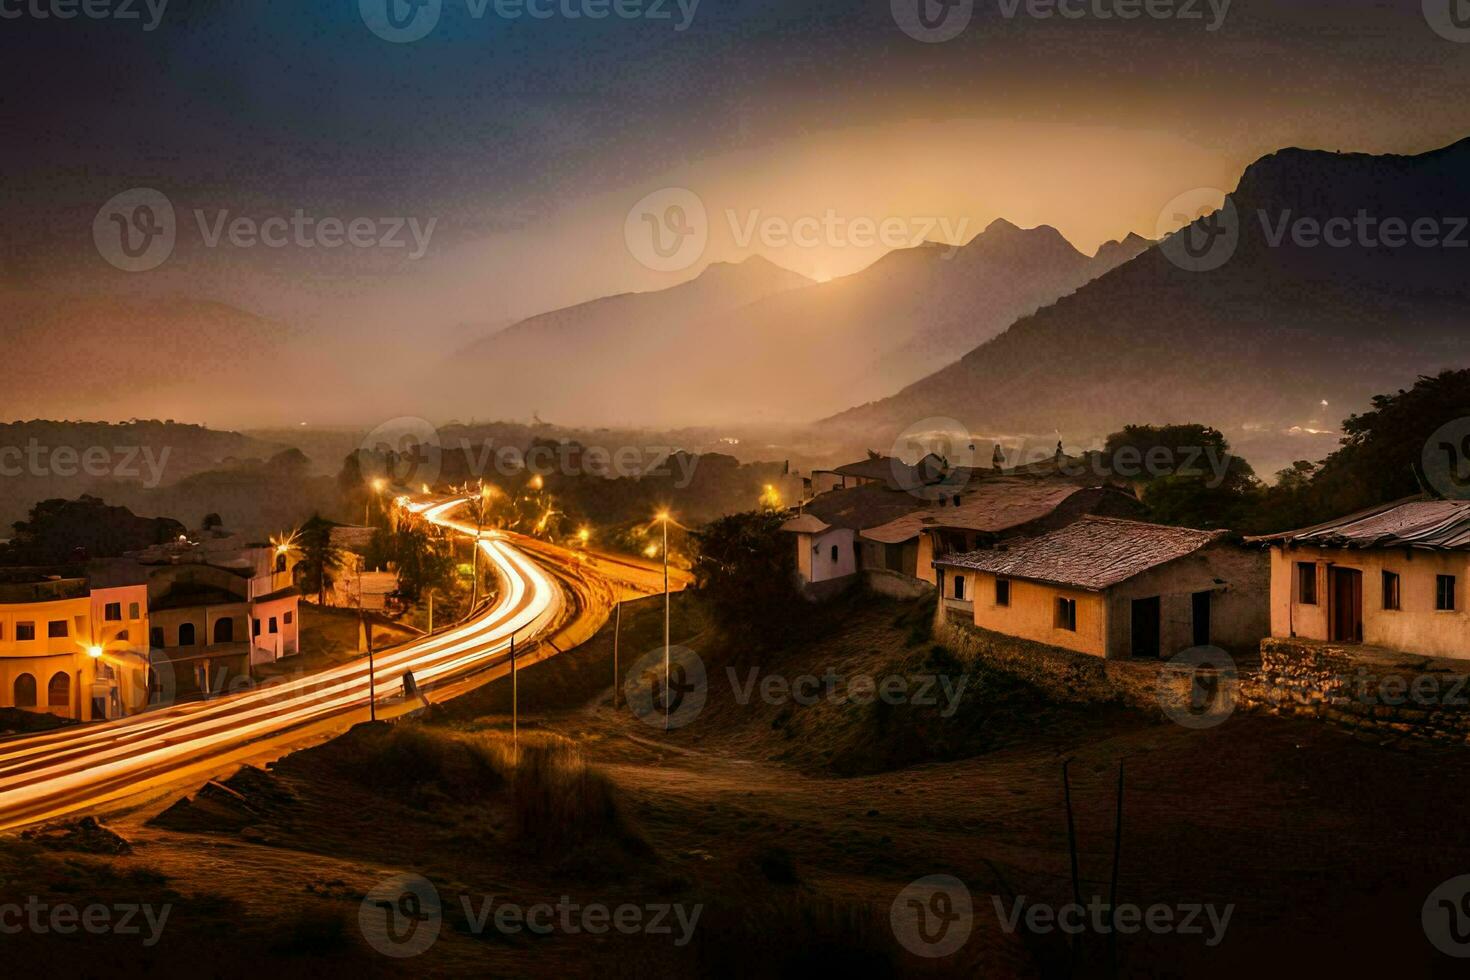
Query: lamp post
[[663, 518], [378, 485], [486, 492]]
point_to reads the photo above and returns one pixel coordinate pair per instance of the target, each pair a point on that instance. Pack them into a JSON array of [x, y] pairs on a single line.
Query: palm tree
[[318, 554]]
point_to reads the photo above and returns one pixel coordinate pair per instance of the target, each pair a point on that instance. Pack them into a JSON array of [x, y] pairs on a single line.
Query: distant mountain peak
[[750, 266]]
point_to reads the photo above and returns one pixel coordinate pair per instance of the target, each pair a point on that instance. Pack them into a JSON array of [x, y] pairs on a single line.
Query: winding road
[[47, 775]]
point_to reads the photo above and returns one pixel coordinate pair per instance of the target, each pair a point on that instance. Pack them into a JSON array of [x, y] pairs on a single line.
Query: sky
[[503, 164]]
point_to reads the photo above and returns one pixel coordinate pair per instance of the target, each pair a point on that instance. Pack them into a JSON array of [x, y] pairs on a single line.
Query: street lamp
[[663, 518], [379, 485], [95, 652]]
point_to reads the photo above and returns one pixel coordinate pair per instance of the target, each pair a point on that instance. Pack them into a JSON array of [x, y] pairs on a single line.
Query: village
[[1357, 620]]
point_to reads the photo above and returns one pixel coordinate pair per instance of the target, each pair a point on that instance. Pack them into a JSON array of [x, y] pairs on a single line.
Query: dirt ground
[[795, 828]]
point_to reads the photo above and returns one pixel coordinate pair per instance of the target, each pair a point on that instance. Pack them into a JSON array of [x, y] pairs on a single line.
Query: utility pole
[[667, 699], [515, 702], [431, 612], [372, 679], [617, 628]]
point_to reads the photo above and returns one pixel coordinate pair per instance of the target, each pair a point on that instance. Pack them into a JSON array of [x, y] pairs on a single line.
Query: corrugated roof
[[989, 505], [1415, 522], [1095, 553]]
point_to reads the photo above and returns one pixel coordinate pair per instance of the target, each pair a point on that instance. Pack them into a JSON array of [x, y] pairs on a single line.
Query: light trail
[[45, 775]]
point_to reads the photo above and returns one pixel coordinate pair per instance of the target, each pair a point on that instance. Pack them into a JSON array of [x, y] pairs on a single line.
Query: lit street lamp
[[663, 518]]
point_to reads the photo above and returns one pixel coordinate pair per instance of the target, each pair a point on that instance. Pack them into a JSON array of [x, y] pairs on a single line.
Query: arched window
[[186, 635], [25, 691], [224, 630], [280, 562], [58, 692]]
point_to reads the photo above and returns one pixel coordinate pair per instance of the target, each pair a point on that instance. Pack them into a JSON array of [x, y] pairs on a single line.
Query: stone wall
[[1378, 693], [896, 585], [1062, 674]]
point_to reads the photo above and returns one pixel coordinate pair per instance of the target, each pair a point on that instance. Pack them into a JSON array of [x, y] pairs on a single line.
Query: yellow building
[[1113, 588], [74, 646], [1392, 576]]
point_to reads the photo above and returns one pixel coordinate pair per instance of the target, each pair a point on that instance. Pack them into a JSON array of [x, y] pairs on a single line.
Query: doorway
[[1200, 608], [1345, 586], [1147, 621]]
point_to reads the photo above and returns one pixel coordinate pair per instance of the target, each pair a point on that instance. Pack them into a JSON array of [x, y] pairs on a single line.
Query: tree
[[415, 553], [58, 531], [319, 556], [745, 568], [1185, 474], [1384, 448]]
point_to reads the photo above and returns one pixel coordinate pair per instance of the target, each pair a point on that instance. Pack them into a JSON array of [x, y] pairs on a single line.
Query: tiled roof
[[1416, 522], [1095, 553], [860, 507], [805, 524], [988, 505]]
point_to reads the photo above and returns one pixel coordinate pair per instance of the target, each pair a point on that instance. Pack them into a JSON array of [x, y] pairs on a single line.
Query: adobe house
[[1115, 588], [983, 513], [1391, 576]]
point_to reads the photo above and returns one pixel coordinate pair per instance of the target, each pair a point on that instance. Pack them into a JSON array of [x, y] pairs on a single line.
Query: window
[[255, 630], [289, 618], [1391, 590], [834, 561], [58, 691], [155, 637], [274, 627], [1067, 614], [186, 635], [1002, 592], [25, 631], [133, 611], [112, 612], [1444, 592], [224, 630], [25, 691], [57, 629], [959, 586], [1306, 583]]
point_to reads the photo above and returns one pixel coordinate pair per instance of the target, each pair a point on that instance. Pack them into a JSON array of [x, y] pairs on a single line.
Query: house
[[74, 644], [209, 623], [1392, 576], [983, 513], [1113, 588], [881, 471]]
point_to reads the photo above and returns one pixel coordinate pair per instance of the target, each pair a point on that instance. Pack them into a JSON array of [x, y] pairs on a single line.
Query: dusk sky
[[526, 141]]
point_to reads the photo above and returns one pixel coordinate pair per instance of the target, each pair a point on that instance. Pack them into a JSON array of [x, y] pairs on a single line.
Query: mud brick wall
[[1409, 698]]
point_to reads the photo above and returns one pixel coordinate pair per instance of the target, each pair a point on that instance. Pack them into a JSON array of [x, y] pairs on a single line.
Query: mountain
[[1270, 331], [128, 356], [601, 351], [752, 342]]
